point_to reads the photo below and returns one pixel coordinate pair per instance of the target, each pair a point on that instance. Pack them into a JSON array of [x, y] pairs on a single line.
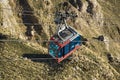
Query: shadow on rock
[[77, 4], [29, 19]]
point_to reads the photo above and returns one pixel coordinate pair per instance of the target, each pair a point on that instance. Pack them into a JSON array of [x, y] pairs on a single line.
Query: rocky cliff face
[[27, 23]]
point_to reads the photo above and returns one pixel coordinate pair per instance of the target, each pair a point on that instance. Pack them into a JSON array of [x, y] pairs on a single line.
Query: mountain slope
[[95, 60]]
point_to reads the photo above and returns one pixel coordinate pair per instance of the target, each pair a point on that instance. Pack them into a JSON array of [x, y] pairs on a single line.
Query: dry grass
[[89, 62]]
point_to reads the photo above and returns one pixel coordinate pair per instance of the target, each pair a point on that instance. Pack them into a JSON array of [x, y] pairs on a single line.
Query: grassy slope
[[88, 60]]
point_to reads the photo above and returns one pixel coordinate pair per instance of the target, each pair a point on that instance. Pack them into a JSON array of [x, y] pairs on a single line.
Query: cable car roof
[[66, 34]]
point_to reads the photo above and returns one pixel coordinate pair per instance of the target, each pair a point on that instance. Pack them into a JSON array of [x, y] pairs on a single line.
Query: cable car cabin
[[64, 43]]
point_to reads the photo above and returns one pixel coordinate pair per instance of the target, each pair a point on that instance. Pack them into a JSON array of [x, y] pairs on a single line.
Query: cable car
[[64, 42]]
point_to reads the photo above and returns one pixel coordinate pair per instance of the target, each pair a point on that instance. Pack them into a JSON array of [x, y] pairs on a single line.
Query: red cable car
[[64, 42]]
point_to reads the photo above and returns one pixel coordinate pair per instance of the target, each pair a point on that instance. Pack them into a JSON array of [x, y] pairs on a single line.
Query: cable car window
[[53, 49], [63, 51], [66, 49], [72, 45], [60, 54]]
